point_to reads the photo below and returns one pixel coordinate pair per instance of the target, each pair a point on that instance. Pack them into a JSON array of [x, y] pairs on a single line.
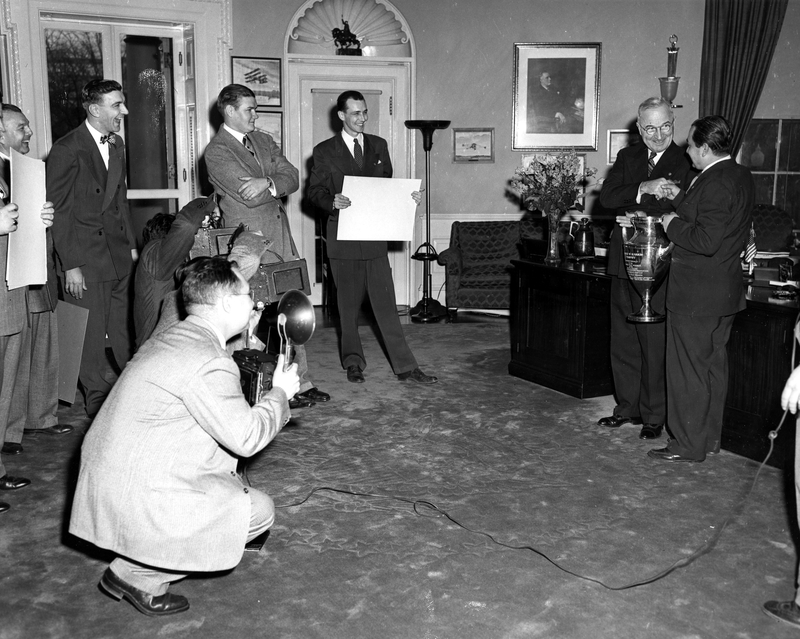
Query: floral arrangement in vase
[[551, 183]]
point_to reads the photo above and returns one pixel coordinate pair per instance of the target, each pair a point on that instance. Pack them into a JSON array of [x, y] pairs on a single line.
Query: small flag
[[750, 250]]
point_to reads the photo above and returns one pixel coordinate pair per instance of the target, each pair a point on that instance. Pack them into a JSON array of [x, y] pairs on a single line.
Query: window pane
[[150, 125], [143, 210], [759, 144], [764, 187], [73, 58], [787, 196], [790, 146]]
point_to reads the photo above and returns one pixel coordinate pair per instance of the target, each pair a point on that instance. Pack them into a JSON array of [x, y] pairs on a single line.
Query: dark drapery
[[739, 39]]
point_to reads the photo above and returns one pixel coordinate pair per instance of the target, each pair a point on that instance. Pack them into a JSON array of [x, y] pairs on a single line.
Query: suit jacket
[[332, 161], [622, 184], [158, 480], [13, 308], [155, 271], [228, 160], [92, 226], [710, 232]]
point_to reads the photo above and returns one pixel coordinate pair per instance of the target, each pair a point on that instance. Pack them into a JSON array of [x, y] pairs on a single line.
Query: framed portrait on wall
[[556, 96], [473, 145], [261, 75], [271, 122], [618, 139]]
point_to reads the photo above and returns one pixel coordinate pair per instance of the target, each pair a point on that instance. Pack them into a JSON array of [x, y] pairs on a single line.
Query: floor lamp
[[427, 309]]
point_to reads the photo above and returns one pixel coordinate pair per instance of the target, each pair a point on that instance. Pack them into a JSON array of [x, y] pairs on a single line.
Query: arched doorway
[[315, 75]]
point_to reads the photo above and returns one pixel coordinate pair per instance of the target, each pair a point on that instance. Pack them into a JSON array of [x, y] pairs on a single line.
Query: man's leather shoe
[[714, 449], [166, 604], [7, 482], [355, 375], [4, 506], [786, 611], [10, 448], [667, 455], [615, 421], [417, 376], [299, 402], [651, 431], [58, 429], [315, 395]]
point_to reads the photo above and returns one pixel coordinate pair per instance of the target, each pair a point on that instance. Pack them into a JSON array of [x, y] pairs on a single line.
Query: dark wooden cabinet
[[760, 360], [560, 328]]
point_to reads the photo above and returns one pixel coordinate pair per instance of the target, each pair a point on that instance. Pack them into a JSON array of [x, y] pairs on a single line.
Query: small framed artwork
[[271, 122], [556, 96], [618, 139], [473, 145], [261, 75]]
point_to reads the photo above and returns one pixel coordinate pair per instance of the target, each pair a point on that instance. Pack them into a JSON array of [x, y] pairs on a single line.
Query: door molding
[[20, 28]]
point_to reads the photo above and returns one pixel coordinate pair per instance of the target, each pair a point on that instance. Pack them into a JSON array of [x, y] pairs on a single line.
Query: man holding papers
[[360, 268], [13, 318], [35, 402]]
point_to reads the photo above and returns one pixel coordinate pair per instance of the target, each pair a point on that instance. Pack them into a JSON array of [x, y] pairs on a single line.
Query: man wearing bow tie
[[710, 228], [94, 242], [250, 174]]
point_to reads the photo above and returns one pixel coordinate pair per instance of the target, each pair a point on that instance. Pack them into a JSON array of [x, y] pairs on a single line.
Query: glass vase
[[552, 258]]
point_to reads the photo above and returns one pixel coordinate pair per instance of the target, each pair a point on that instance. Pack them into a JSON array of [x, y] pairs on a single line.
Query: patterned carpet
[[480, 507]]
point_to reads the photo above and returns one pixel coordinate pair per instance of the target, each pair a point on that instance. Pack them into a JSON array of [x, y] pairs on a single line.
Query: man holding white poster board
[[360, 264], [13, 319], [30, 251]]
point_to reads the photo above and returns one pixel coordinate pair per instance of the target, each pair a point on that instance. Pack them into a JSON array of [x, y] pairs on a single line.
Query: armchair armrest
[[451, 258]]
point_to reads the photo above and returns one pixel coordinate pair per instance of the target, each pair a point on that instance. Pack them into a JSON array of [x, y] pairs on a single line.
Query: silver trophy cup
[[647, 256]]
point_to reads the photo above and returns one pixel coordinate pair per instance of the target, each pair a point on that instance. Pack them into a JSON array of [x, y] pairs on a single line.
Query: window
[[771, 150]]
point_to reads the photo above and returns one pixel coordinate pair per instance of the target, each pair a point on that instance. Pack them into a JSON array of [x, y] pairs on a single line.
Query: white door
[[313, 87], [150, 64]]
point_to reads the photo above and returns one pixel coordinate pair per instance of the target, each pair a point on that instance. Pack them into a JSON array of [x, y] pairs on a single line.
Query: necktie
[[358, 153], [248, 146], [108, 138], [651, 164]]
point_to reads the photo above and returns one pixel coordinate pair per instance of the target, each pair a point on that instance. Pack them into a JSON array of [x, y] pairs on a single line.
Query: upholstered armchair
[[773, 227], [478, 262]]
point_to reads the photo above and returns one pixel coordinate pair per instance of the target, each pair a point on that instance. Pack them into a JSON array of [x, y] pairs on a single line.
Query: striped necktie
[[651, 163], [248, 145], [358, 153]]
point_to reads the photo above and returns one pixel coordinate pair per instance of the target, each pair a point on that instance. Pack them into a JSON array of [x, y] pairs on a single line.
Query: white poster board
[[380, 209], [27, 252]]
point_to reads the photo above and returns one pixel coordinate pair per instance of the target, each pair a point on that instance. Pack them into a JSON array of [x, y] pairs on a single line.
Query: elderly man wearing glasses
[[638, 350]]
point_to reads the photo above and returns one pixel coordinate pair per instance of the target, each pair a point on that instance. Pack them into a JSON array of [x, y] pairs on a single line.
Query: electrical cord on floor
[[420, 505]]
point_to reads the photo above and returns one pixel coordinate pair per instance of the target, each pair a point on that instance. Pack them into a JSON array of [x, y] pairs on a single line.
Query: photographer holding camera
[[158, 483]]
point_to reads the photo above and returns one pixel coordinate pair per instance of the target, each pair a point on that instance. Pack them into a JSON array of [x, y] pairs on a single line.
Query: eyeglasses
[[665, 129]]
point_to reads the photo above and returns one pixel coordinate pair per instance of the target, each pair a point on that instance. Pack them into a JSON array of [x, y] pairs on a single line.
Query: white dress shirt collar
[[103, 147]]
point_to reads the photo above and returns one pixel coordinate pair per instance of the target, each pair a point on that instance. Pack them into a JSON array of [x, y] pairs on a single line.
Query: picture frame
[[261, 75], [473, 145], [552, 81], [271, 122], [618, 139]]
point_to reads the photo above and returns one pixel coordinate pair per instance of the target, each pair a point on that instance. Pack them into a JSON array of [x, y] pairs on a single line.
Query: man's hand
[[790, 397], [340, 201], [654, 187], [667, 219], [670, 190], [287, 381], [48, 213], [8, 219], [252, 326], [74, 282], [253, 186], [417, 196]]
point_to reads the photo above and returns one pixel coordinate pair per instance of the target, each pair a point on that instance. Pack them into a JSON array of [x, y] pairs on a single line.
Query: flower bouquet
[[551, 184]]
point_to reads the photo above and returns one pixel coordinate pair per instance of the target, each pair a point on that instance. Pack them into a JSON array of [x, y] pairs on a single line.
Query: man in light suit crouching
[[158, 482]]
